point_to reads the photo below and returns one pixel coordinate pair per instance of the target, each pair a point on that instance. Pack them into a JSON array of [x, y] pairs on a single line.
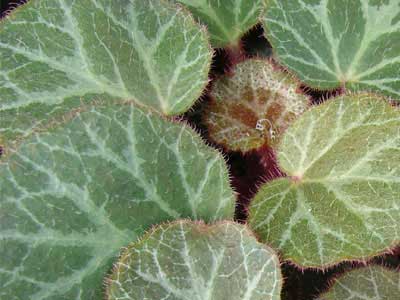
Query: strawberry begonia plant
[[109, 189]]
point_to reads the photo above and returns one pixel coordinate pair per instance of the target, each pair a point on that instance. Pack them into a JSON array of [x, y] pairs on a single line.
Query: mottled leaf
[[332, 43], [369, 283], [72, 196], [226, 20], [193, 261], [55, 54], [253, 107], [341, 199]]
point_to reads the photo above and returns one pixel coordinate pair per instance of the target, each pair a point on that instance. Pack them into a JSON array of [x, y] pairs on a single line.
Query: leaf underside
[[341, 200], [71, 197], [56, 54], [369, 283], [333, 43], [193, 261], [253, 107], [226, 20]]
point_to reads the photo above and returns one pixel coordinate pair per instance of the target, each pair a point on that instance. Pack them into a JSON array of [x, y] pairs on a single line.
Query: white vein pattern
[[226, 20], [368, 283], [341, 200], [332, 43], [70, 198], [54, 53], [193, 261]]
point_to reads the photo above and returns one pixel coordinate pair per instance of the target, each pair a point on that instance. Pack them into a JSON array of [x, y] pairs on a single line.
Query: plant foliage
[[226, 20], [185, 260], [341, 199], [253, 107], [57, 54], [95, 149], [73, 195], [368, 283], [331, 43]]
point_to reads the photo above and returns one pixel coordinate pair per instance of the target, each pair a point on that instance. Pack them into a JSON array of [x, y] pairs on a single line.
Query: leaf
[[226, 20], [72, 196], [369, 283], [56, 54], [192, 261], [253, 107], [341, 199], [333, 43]]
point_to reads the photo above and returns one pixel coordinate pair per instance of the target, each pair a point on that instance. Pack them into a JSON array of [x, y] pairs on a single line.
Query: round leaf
[[332, 43], [341, 199], [226, 20], [72, 196], [369, 283], [193, 261], [253, 107], [54, 53]]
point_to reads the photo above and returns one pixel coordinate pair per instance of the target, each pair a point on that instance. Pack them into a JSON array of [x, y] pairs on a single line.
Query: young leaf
[[253, 107], [56, 52], [73, 196], [226, 20], [332, 43], [369, 283], [341, 199], [192, 261]]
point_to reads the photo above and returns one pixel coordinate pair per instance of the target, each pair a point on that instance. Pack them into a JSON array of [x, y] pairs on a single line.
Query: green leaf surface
[[193, 261], [369, 283], [253, 107], [341, 199], [332, 43], [72, 196], [56, 53], [226, 20]]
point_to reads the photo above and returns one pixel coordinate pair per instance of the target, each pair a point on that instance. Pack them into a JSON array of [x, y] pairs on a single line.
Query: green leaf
[[192, 261], [253, 107], [56, 53], [341, 199], [369, 283], [72, 196], [226, 20], [332, 43]]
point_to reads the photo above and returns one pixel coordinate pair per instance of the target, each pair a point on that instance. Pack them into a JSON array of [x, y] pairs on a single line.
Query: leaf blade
[[372, 282], [340, 158], [195, 261], [68, 49], [331, 44], [253, 107], [226, 21], [72, 196]]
